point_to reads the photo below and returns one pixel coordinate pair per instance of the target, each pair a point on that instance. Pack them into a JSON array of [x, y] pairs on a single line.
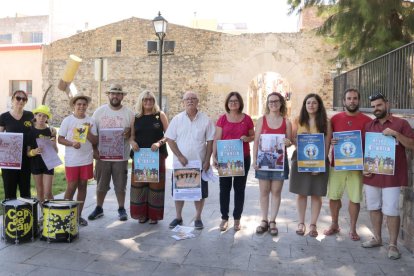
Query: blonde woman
[[147, 131]]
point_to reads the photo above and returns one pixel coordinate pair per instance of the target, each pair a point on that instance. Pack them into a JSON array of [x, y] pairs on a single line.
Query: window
[[118, 46], [5, 38], [25, 85], [32, 37]]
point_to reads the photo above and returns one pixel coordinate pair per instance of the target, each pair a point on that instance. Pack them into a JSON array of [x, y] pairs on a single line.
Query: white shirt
[[105, 117], [84, 155], [191, 136]]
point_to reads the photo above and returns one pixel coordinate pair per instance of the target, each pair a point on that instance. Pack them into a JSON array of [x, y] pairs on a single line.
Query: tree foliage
[[363, 29]]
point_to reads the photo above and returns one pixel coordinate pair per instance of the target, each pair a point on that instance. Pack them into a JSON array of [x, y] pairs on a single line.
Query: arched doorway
[[262, 85]]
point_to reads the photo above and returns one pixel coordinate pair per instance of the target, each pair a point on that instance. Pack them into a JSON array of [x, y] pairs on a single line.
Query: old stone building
[[208, 62]]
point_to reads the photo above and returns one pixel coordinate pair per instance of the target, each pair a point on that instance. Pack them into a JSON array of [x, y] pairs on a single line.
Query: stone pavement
[[110, 247]]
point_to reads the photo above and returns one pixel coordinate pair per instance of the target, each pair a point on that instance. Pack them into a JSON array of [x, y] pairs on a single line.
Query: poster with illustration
[[348, 153], [379, 156], [311, 152], [271, 152], [111, 144], [80, 133], [187, 181], [11, 147], [146, 165], [230, 158]]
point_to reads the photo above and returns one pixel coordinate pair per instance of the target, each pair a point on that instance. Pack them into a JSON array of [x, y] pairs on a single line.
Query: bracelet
[[31, 153]]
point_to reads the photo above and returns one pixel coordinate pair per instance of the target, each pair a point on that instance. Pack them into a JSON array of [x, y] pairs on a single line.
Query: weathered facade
[[208, 62]]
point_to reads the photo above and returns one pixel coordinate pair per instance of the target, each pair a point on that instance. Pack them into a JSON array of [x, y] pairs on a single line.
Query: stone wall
[[210, 63]]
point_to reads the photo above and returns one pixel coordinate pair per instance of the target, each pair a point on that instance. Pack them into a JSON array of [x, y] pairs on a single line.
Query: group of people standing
[[191, 135]]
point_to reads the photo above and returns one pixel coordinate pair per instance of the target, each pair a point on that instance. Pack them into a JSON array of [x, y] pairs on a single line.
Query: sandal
[[312, 232], [371, 243], [354, 236], [301, 229], [332, 230], [143, 220], [153, 221], [273, 230], [264, 225], [223, 225], [237, 225], [393, 254]]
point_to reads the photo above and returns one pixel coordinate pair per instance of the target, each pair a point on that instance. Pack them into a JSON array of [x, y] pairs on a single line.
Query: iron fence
[[391, 74]]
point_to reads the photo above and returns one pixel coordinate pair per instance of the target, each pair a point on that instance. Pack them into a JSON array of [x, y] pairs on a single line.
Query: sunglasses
[[376, 97], [18, 98]]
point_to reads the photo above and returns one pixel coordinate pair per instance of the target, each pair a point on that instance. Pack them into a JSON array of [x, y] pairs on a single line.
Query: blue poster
[[311, 152], [230, 158], [146, 165], [348, 153], [271, 152], [379, 157]]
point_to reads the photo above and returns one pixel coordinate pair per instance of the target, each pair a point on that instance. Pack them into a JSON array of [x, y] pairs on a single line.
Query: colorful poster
[[146, 165], [230, 158], [187, 181], [80, 133], [49, 154], [11, 150], [111, 144], [379, 156], [271, 152], [348, 153], [311, 152]]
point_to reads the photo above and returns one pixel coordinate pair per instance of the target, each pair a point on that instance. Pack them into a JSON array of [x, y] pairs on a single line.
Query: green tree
[[363, 29]]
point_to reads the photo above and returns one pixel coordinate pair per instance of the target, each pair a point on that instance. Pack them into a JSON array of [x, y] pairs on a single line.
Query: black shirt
[[36, 162], [149, 130]]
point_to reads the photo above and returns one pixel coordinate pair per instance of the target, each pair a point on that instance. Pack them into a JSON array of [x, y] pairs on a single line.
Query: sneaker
[[83, 222], [97, 213], [122, 214], [198, 224], [176, 222]]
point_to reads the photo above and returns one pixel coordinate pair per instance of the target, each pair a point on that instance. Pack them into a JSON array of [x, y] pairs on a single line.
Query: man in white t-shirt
[[190, 137], [78, 133], [112, 115]]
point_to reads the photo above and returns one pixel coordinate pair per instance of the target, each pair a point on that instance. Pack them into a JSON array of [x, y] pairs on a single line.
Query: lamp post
[[160, 27], [338, 66]]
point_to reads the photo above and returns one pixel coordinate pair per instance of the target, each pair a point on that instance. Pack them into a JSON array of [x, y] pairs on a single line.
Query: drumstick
[[27, 200]]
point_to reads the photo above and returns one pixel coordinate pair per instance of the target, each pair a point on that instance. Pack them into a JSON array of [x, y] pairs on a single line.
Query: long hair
[[239, 98], [283, 108], [321, 119], [139, 108]]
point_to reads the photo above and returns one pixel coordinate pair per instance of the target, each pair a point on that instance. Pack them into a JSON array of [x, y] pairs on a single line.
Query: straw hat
[[116, 88], [79, 96], [43, 109]]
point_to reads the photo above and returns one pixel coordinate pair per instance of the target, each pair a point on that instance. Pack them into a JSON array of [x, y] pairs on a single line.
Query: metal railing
[[391, 74]]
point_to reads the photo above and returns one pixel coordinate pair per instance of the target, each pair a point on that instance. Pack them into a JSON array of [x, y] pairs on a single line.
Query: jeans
[[239, 184]]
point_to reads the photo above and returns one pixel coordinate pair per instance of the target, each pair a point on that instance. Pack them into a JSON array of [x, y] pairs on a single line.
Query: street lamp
[[160, 27], [338, 66]]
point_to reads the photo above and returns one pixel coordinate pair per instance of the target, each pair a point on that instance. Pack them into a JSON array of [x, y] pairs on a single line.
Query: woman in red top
[[234, 124], [271, 182]]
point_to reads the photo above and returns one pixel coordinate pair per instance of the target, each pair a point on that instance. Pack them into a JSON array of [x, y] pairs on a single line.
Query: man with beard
[[382, 192], [112, 115], [350, 119]]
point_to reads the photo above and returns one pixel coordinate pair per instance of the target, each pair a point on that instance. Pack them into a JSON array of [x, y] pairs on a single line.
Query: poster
[[348, 153], [80, 133], [271, 152], [379, 156], [111, 144], [187, 181], [146, 165], [230, 158], [11, 147], [49, 154], [311, 152]]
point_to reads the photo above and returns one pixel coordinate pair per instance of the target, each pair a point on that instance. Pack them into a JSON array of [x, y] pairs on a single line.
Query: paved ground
[[110, 247]]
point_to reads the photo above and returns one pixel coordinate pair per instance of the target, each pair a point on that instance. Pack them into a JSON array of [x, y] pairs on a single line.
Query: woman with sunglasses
[[271, 182], [147, 131], [17, 120], [312, 119]]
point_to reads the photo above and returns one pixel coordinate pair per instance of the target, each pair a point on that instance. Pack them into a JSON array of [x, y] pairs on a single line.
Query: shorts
[[79, 173], [37, 171], [341, 180], [274, 175], [204, 187], [115, 170], [385, 199]]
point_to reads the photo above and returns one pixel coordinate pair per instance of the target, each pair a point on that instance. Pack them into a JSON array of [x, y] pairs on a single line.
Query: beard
[[379, 114], [352, 108], [115, 102]]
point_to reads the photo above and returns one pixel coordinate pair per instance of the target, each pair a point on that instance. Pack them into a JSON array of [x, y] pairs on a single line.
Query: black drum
[[20, 220]]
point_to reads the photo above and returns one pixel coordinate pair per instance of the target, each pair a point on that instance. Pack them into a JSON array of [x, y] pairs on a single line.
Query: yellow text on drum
[[20, 220]]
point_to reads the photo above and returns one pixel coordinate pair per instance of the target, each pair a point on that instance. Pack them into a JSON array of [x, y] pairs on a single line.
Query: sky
[[260, 15]]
